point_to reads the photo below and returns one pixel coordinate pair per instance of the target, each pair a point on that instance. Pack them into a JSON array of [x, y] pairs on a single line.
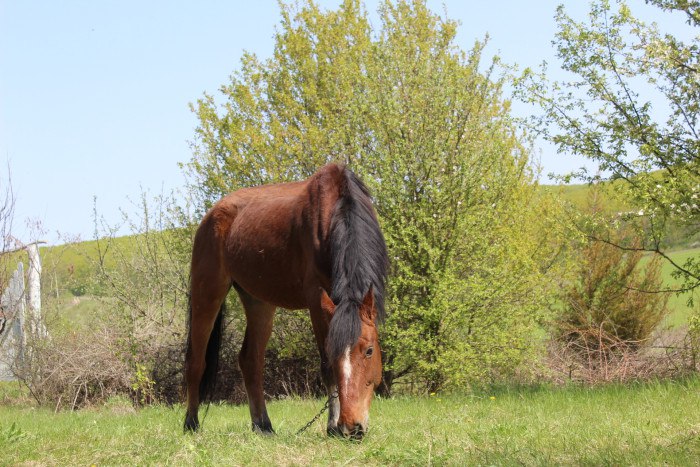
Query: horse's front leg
[[259, 316], [321, 311]]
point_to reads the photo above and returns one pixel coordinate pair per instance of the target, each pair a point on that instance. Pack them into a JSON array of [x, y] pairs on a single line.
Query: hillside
[[678, 237], [579, 196]]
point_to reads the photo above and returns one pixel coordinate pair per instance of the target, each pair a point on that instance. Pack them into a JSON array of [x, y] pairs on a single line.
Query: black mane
[[359, 261]]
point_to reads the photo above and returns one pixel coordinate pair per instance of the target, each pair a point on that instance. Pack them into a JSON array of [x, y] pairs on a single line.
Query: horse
[[313, 244]]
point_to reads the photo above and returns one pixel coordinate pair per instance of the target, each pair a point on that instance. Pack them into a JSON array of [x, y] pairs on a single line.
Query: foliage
[[453, 189], [612, 294], [287, 116], [143, 282], [632, 107], [426, 126]]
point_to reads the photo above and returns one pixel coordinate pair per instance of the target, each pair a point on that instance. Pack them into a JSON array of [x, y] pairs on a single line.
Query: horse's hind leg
[[206, 303], [259, 316]]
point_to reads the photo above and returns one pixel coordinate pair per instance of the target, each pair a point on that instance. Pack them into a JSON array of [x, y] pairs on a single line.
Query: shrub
[[614, 292], [74, 369], [612, 304], [614, 295]]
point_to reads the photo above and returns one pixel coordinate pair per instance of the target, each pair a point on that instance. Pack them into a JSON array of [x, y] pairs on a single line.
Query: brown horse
[[288, 245]]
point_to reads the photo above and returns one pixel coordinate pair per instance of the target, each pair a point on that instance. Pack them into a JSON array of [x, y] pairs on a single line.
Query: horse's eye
[[369, 352]]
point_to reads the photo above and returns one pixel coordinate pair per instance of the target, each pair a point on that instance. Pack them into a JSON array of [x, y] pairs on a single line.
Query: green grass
[[643, 424]]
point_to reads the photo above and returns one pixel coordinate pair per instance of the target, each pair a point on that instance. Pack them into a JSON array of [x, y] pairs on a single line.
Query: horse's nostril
[[354, 432], [357, 432]]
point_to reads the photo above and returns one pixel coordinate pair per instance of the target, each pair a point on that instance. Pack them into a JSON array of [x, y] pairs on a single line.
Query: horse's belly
[[269, 280], [269, 265]]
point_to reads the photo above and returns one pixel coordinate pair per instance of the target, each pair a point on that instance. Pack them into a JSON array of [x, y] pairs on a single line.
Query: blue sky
[[94, 94]]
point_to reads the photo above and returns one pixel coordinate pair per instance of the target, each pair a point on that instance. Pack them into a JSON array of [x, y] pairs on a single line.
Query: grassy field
[[643, 424]]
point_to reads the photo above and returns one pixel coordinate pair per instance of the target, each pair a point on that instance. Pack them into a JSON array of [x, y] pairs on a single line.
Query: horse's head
[[358, 370]]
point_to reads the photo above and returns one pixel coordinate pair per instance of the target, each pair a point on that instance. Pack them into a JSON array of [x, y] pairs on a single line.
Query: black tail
[[211, 359]]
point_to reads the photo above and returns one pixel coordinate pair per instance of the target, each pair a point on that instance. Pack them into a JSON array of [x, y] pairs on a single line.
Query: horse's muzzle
[[355, 432]]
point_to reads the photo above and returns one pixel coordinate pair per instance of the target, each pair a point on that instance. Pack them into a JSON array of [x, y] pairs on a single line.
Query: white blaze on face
[[347, 366]]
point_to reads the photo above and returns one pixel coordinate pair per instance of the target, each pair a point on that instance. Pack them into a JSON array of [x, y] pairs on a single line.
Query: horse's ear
[[367, 310], [327, 304]]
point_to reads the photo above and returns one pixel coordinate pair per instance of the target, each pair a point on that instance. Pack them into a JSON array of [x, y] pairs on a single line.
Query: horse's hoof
[[265, 430], [191, 424]]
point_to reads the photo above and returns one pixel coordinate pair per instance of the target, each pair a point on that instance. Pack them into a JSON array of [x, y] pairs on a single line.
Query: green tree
[[632, 107], [427, 127], [286, 116]]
